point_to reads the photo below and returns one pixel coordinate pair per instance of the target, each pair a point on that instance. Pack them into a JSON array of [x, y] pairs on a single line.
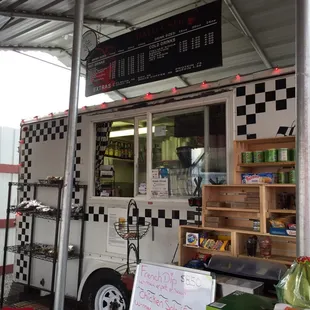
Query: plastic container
[[283, 155], [271, 156], [247, 157]]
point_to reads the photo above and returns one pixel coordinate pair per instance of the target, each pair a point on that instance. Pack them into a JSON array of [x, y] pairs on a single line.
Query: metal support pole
[[303, 128], [69, 162], [64, 18]]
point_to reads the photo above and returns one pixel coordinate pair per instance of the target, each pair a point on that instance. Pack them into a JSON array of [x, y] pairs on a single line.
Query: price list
[[183, 49]]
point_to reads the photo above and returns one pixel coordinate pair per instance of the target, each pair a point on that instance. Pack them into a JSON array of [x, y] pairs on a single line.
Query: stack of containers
[[284, 176]]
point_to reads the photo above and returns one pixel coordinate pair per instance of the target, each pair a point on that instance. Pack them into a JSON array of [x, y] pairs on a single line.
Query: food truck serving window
[[188, 150]]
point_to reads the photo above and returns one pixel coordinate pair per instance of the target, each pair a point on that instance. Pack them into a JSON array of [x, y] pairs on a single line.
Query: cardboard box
[[192, 239], [243, 301]]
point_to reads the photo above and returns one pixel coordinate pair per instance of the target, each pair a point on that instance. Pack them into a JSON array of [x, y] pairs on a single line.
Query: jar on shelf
[[256, 225], [265, 247], [251, 246]]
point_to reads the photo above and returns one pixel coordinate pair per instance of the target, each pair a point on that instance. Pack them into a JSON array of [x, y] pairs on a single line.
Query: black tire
[[100, 279]]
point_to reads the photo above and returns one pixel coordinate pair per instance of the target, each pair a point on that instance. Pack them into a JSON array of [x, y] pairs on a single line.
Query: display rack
[[260, 145], [239, 212], [32, 249], [131, 230]]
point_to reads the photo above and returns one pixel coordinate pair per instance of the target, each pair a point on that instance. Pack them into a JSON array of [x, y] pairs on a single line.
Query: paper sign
[[155, 173], [115, 243], [160, 131], [159, 188]]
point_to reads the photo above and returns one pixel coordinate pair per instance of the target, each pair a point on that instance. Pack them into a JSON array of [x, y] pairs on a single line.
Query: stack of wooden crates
[[232, 211]]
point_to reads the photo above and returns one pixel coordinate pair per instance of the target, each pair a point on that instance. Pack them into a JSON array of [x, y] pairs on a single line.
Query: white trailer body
[[256, 106]]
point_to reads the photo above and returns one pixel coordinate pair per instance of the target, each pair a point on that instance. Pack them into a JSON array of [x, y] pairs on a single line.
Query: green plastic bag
[[294, 287]]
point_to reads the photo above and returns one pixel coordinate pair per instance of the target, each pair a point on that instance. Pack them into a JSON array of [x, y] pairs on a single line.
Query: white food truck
[[152, 149]]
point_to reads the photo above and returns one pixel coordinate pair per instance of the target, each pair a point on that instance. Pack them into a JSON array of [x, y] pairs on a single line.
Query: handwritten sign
[[171, 288]]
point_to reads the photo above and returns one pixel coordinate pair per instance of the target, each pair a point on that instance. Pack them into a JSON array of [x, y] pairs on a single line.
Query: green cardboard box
[[243, 301]]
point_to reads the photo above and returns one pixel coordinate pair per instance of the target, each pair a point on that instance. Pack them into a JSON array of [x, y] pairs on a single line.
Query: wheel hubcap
[[109, 298]]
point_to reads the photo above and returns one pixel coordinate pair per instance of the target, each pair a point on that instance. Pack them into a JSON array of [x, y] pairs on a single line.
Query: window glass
[[189, 150], [114, 159]]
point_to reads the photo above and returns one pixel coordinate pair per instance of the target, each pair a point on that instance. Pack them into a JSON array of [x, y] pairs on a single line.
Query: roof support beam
[[32, 48], [248, 33], [63, 18], [47, 48]]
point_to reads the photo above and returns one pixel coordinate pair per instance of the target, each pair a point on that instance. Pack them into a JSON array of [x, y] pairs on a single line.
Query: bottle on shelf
[[111, 149], [130, 153], [122, 152], [116, 149]]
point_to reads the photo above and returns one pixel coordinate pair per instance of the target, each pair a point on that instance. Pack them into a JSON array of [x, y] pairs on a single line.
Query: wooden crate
[[187, 252], [260, 145], [238, 205], [273, 200], [283, 248], [231, 209]]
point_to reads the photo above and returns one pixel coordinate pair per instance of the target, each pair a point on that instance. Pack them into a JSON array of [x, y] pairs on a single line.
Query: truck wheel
[[105, 290]]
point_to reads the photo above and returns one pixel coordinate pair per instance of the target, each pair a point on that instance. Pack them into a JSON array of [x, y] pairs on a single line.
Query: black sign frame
[[181, 44]]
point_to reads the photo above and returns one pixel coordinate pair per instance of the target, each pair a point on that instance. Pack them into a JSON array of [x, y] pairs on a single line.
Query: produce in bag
[[294, 287]]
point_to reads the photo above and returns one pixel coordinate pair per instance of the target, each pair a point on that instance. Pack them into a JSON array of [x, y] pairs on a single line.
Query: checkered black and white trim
[[263, 107], [23, 237], [160, 217], [41, 132]]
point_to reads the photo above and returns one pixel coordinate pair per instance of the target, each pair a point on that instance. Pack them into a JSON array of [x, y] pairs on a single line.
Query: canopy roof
[[257, 34]]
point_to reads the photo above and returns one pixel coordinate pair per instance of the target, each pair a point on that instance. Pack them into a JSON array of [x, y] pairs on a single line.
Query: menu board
[[171, 287], [181, 44]]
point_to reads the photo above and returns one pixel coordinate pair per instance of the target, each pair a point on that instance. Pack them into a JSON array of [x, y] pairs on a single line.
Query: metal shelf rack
[[57, 218]]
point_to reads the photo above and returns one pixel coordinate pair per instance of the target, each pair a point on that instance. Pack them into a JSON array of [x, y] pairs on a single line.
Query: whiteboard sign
[[170, 287]]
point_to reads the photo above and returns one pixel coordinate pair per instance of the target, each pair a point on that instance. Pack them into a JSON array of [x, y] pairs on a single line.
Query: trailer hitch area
[[114, 305]]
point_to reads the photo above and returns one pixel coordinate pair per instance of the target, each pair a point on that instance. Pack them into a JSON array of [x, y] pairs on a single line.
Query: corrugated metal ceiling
[[270, 22]]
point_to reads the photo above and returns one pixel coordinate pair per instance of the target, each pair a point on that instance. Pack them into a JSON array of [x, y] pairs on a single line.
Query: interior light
[[129, 132]]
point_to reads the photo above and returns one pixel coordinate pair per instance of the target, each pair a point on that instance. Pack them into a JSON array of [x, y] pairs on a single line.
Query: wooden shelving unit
[[187, 252], [240, 211], [260, 145]]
